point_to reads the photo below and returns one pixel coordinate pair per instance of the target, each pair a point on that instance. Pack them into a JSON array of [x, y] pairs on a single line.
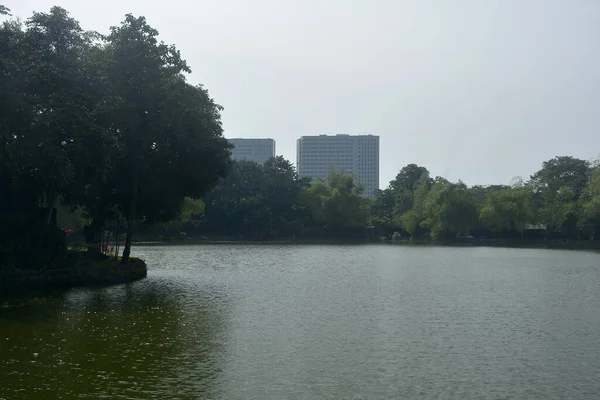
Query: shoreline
[[86, 273], [527, 244]]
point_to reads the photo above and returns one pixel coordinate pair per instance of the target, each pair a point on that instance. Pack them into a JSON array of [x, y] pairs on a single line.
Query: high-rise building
[[259, 150], [358, 154]]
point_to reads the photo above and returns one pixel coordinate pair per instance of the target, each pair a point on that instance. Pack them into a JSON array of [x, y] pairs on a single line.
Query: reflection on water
[[130, 341], [317, 322]]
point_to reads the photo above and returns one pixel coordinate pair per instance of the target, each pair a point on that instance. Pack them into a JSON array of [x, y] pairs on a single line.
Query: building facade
[[358, 154], [258, 150]]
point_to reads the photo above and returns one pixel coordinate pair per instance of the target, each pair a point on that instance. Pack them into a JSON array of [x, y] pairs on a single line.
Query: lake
[[317, 322]]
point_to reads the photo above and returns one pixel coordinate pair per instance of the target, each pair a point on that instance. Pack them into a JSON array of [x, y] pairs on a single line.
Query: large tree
[[382, 211], [170, 131], [560, 172], [408, 177], [410, 205], [44, 111], [107, 124], [557, 188], [342, 205], [507, 209], [258, 201], [449, 209], [234, 207], [281, 190], [46, 105]]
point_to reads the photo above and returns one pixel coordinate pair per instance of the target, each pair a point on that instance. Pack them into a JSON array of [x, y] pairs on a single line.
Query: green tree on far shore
[[589, 206], [508, 209], [449, 209]]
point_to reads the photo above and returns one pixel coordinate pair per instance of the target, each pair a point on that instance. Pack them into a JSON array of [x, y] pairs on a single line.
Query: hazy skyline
[[475, 90]]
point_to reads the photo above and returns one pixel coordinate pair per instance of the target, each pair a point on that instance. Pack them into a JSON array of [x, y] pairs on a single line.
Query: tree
[[189, 217], [589, 205], [228, 204], [45, 112], [45, 106], [15, 117], [342, 208], [139, 69], [557, 188], [4, 10], [409, 206], [109, 125], [382, 210], [449, 209], [170, 131], [281, 191], [507, 209], [560, 172], [408, 177], [258, 200], [55, 45]]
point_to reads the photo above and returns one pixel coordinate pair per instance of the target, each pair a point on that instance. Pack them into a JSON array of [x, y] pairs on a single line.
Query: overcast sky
[[478, 90]]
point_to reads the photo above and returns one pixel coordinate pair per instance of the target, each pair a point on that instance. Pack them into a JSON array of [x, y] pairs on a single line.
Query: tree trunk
[[118, 239], [131, 213], [50, 204], [128, 235], [93, 234]]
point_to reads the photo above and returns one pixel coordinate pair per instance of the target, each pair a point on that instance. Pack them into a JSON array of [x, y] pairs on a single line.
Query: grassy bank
[[79, 271]]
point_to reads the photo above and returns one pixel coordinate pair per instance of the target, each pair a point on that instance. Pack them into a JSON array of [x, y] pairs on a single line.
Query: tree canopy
[[108, 124], [561, 199]]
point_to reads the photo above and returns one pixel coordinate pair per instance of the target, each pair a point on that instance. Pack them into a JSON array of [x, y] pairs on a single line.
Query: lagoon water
[[317, 322]]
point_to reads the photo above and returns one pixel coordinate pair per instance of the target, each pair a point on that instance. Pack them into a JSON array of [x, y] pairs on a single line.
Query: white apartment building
[[358, 154], [258, 150]]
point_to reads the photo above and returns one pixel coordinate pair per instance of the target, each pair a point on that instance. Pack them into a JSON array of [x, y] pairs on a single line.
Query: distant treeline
[[560, 201]]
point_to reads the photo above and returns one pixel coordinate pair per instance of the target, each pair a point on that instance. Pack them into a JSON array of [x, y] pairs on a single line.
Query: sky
[[482, 91]]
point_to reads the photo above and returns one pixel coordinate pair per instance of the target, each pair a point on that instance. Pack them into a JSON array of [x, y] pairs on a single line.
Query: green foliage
[[507, 209], [342, 205], [261, 201], [589, 206], [561, 172], [191, 209], [408, 177], [562, 198], [449, 209], [257, 201], [557, 188], [67, 217], [411, 221], [382, 215], [108, 125], [409, 207], [395, 208], [254, 202]]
